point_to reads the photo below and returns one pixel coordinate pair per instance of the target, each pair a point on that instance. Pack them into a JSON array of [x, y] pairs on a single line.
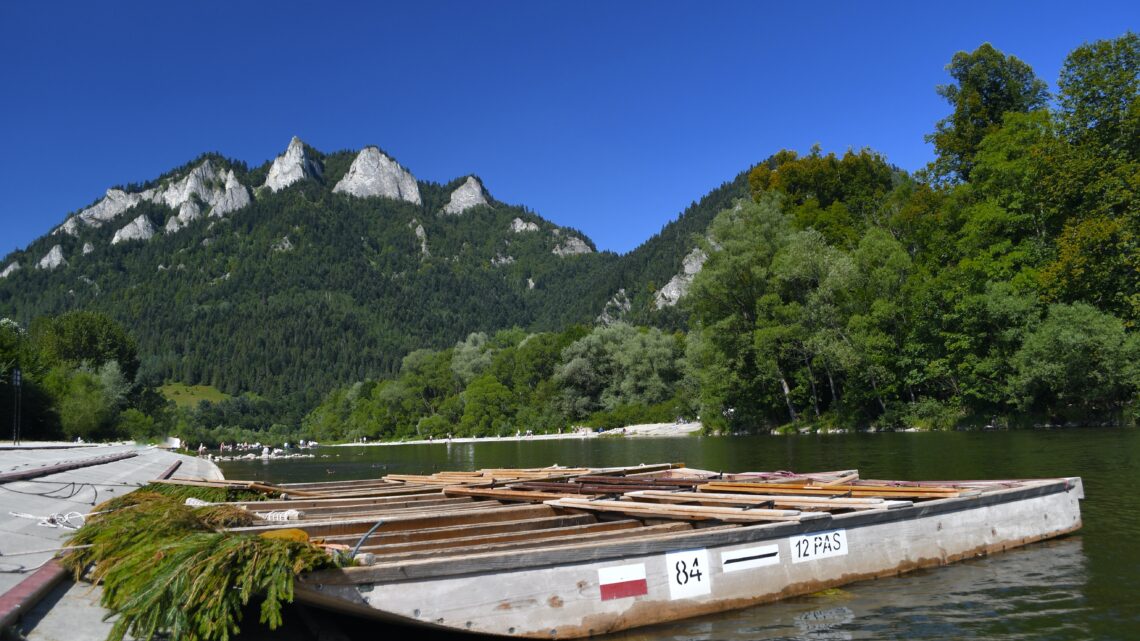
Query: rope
[[55, 519], [66, 548], [71, 488]]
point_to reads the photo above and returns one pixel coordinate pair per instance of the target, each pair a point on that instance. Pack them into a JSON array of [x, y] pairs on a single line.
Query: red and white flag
[[623, 581]]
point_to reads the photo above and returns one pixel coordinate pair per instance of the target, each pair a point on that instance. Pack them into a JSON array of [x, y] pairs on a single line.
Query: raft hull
[[575, 591]]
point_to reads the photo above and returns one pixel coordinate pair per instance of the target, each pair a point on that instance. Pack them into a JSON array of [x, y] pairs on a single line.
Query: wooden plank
[[854, 491], [499, 537], [844, 487], [376, 515], [316, 485], [504, 494], [636, 480], [56, 468], [301, 504], [697, 512], [741, 500], [474, 529], [399, 523], [333, 510], [558, 536], [785, 502], [841, 480]]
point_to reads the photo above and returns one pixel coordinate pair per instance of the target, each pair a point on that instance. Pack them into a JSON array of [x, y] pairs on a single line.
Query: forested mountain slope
[[312, 280]]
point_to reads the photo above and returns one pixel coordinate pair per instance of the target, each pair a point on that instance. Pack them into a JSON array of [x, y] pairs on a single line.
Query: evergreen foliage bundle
[[165, 570]]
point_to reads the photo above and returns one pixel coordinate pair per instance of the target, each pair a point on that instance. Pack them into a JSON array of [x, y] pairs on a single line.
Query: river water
[[1083, 586]]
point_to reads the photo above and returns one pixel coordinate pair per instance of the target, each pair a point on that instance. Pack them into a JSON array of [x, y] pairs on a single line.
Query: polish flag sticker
[[623, 581]]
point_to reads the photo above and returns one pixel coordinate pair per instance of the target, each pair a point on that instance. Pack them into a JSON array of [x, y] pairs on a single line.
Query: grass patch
[[190, 395]]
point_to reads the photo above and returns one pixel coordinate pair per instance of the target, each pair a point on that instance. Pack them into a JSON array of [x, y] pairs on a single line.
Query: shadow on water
[[1085, 586]]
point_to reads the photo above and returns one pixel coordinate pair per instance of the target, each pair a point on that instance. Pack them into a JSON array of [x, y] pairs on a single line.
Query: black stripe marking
[[752, 558]]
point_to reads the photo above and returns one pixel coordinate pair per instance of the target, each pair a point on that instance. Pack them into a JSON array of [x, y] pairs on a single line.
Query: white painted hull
[[585, 590]]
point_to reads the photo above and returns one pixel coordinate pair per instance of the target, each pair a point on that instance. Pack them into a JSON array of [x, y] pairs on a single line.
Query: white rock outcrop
[[374, 174], [187, 213], [469, 194], [518, 226], [615, 309], [418, 229], [88, 248], [678, 286], [233, 197], [283, 245], [138, 229], [12, 268], [571, 246], [54, 258], [222, 192], [291, 166], [115, 202], [69, 227], [499, 260]]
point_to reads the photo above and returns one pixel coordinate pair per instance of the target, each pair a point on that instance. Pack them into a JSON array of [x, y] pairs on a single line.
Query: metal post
[[16, 380]]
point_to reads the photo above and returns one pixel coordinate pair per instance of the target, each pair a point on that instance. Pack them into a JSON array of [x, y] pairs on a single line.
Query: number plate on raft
[[818, 545], [689, 573]]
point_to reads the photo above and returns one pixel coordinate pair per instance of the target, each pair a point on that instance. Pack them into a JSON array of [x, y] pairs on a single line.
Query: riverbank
[[646, 430]]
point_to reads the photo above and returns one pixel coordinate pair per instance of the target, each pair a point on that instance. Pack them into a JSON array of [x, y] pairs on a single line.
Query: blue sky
[[606, 116]]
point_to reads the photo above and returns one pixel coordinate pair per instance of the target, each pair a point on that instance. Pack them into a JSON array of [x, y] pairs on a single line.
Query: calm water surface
[[1084, 586]]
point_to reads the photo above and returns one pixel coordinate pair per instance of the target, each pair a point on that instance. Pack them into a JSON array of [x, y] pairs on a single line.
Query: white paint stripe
[[748, 558], [621, 573]]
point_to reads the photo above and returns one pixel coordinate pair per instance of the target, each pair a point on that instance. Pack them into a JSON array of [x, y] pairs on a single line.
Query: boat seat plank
[[437, 533], [349, 526], [777, 501], [501, 537], [504, 494], [696, 512], [564, 537]]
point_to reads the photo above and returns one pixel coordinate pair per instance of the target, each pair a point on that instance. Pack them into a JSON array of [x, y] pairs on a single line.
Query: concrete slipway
[[35, 515]]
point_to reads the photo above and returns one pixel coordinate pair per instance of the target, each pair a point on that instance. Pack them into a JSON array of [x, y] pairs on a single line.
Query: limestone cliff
[[469, 194], [232, 198], [375, 174], [138, 229], [204, 183], [12, 268], [291, 166], [678, 286], [54, 258]]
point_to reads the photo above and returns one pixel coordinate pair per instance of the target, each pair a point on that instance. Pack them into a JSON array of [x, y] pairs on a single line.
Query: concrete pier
[[45, 491]]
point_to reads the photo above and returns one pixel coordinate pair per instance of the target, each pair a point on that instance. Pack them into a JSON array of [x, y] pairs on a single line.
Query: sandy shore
[[654, 430]]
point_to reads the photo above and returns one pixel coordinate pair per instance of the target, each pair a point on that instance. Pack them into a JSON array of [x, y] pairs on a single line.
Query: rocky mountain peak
[[291, 166], [373, 174], [469, 194]]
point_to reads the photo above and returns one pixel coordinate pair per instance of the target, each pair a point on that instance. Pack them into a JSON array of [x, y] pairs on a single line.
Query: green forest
[[999, 286]]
